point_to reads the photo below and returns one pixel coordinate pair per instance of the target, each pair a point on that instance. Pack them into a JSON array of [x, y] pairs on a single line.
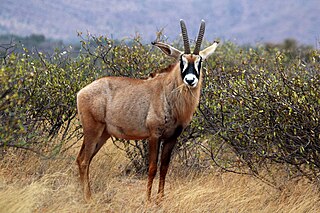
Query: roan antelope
[[157, 109]]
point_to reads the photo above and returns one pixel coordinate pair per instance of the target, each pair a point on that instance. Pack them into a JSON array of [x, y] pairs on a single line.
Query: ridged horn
[[199, 39], [185, 37]]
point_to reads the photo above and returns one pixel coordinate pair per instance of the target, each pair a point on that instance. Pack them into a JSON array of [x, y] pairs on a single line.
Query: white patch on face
[[185, 63], [196, 64], [191, 80]]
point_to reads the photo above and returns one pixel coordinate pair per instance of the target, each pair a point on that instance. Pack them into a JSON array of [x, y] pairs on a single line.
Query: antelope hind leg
[[92, 142], [153, 161]]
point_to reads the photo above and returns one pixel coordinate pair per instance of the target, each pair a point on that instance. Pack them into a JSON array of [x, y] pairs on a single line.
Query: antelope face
[[190, 66], [190, 63]]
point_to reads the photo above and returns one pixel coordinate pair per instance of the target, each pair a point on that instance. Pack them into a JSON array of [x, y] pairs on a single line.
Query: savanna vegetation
[[253, 144]]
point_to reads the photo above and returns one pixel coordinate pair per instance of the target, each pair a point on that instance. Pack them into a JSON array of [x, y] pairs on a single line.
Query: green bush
[[259, 106], [266, 106], [38, 98]]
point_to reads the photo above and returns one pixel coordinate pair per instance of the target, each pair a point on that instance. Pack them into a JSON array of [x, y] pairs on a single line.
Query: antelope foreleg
[[167, 148]]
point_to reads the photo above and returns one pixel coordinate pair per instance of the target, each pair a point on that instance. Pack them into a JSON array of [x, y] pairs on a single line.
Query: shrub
[[38, 98], [259, 106], [265, 107]]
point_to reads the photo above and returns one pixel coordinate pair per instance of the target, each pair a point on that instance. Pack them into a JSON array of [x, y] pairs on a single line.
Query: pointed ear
[[209, 50], [168, 50]]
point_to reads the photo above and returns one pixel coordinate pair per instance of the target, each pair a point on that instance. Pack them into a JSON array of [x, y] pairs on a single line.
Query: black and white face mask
[[190, 67]]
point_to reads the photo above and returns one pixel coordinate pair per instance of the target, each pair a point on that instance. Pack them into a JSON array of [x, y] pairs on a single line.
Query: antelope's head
[[190, 63]]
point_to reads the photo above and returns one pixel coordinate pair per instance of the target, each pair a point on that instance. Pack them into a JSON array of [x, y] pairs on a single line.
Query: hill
[[241, 21]]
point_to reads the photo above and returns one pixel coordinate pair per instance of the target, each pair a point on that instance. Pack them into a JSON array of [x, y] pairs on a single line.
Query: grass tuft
[[31, 184]]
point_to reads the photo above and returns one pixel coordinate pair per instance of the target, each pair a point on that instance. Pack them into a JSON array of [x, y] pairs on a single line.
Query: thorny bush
[[265, 105], [259, 106]]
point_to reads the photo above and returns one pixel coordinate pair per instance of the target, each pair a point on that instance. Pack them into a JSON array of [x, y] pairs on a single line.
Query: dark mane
[[164, 70]]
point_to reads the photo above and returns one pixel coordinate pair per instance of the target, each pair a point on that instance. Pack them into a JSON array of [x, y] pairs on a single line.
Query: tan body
[[157, 109], [138, 109]]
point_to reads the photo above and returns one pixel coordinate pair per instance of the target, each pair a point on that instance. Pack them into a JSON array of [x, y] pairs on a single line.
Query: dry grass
[[31, 184]]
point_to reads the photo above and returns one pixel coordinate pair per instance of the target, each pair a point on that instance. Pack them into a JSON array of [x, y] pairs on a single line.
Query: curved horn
[[185, 37], [199, 39]]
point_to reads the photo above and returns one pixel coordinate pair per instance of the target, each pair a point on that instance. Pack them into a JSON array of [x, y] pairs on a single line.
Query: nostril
[[190, 81]]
